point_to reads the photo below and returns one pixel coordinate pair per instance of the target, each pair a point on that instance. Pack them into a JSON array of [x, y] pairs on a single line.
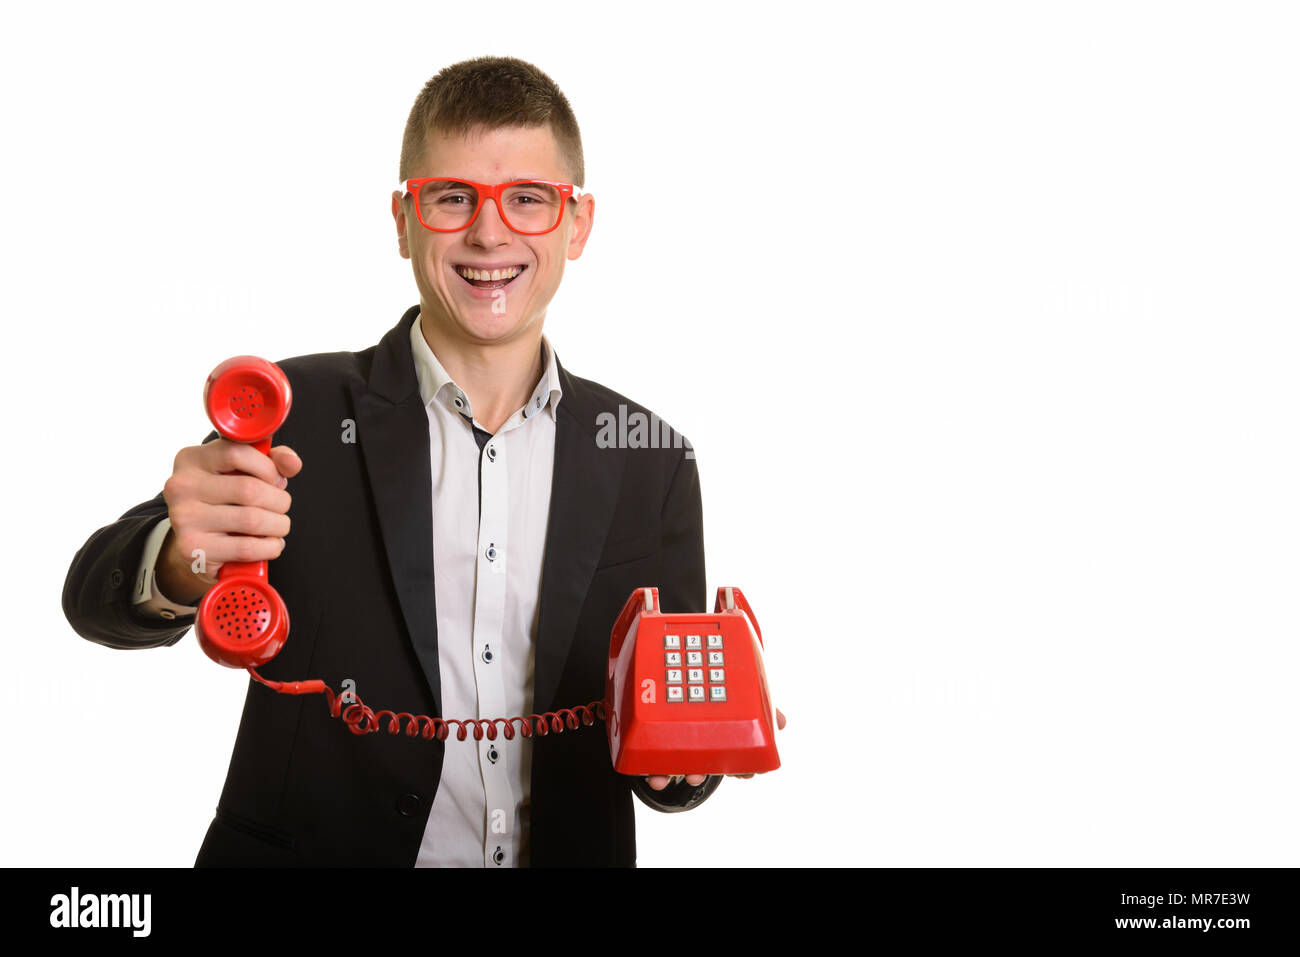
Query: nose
[[489, 229]]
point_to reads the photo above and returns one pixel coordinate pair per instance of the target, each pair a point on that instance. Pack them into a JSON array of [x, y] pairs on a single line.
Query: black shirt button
[[408, 805], [116, 578]]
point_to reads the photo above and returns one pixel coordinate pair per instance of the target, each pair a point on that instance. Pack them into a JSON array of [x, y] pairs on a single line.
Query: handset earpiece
[[247, 399], [242, 622]]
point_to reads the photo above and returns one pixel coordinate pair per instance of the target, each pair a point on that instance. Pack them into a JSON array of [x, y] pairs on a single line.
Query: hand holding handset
[[663, 717], [242, 622]]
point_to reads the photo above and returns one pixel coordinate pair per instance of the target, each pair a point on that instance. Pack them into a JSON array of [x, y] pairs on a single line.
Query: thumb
[[286, 460]]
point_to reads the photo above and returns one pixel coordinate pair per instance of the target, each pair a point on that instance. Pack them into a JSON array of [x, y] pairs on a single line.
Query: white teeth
[[483, 275]]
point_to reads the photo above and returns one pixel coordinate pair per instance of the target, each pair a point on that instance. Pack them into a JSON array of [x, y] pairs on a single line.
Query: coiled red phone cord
[[362, 720]]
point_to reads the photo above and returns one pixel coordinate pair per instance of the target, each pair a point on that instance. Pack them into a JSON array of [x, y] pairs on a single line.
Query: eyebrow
[[509, 179]]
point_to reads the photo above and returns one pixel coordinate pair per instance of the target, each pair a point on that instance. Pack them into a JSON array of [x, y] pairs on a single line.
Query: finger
[[695, 780], [239, 521], [243, 549], [286, 460], [657, 782], [780, 719], [243, 490], [745, 776], [226, 456], [211, 550]]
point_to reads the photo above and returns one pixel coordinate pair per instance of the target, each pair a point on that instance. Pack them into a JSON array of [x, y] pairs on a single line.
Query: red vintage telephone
[[689, 691], [657, 722]]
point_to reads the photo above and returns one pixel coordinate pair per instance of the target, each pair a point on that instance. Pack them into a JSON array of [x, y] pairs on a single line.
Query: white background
[[981, 318]]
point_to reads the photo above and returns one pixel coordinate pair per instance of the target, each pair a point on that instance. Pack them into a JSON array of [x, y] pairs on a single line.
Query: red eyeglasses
[[531, 207]]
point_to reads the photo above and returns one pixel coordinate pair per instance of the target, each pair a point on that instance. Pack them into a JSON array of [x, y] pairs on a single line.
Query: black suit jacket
[[357, 577]]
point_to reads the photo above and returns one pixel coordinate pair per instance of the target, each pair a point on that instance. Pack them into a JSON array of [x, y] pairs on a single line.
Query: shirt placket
[[489, 616]]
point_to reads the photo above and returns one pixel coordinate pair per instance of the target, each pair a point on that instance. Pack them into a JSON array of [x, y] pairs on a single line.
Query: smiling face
[[451, 301]]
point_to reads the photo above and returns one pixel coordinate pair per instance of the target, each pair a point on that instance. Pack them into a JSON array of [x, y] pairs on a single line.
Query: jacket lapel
[[584, 491], [393, 433]]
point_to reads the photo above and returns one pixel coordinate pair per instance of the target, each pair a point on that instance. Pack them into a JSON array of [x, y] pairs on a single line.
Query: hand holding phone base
[[687, 692]]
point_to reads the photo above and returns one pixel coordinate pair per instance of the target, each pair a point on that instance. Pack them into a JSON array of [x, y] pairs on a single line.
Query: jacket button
[[408, 805], [115, 579]]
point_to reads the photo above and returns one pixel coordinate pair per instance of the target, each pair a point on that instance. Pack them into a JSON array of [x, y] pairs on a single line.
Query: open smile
[[495, 277]]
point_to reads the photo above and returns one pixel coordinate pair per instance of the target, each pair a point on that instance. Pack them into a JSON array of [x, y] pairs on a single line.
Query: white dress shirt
[[491, 502], [487, 561]]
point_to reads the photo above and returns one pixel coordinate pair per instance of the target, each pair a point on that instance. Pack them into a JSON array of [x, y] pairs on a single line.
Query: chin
[[490, 327]]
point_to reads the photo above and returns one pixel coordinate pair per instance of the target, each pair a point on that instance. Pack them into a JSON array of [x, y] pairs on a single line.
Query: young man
[[462, 543]]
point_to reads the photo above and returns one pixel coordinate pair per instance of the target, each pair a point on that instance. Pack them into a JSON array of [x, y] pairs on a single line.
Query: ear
[[399, 217], [582, 221]]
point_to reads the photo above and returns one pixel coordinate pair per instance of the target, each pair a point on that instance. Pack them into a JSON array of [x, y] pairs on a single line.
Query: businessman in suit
[[461, 540]]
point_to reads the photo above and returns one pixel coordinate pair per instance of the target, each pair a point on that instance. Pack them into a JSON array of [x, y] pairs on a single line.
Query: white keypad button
[[672, 658], [674, 676], [693, 641], [675, 693], [717, 693], [716, 675], [675, 641], [715, 658], [695, 676], [695, 657], [715, 641], [697, 693]]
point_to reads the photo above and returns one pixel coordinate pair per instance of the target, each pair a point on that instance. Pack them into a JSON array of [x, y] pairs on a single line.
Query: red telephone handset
[[242, 622], [687, 694]]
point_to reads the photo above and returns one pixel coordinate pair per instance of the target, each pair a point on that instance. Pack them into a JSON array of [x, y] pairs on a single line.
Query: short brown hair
[[489, 93]]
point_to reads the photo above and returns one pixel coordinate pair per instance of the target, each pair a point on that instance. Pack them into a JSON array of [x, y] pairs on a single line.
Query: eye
[[531, 196]]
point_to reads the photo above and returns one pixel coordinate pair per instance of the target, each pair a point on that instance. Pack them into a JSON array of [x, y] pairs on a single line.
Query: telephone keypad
[[695, 672]]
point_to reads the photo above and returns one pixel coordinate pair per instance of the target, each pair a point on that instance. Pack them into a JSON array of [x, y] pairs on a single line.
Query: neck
[[498, 377]]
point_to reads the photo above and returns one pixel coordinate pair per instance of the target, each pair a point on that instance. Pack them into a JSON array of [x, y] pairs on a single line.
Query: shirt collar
[[435, 383]]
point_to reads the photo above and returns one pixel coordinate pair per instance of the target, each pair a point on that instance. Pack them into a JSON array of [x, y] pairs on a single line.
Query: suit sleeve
[[681, 589], [99, 591]]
